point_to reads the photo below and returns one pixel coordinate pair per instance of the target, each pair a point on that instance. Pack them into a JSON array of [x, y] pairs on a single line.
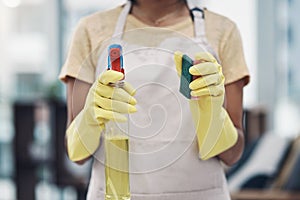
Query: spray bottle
[[116, 142]]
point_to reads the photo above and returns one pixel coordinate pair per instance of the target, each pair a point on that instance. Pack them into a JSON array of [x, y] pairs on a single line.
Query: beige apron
[[164, 162]]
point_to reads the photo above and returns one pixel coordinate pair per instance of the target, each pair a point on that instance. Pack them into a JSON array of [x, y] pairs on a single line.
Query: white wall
[[28, 46], [5, 64]]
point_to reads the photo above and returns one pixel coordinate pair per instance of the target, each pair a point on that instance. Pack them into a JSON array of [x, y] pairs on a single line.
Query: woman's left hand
[[215, 131]]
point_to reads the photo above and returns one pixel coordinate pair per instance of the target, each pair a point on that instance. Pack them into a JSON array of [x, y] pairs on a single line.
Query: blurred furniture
[[265, 195], [282, 184], [270, 166], [28, 160], [25, 178], [255, 123], [63, 177]]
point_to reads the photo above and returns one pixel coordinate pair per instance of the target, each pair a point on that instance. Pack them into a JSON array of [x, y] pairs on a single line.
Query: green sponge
[[186, 78]]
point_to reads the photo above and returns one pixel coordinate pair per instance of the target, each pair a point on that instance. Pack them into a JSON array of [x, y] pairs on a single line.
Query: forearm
[[232, 155], [76, 95], [234, 107]]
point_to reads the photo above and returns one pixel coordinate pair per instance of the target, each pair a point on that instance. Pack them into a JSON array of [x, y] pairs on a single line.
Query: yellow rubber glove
[[103, 103], [215, 130]]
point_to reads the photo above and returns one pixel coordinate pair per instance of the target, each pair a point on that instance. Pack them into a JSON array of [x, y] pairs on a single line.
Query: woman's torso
[[164, 162]]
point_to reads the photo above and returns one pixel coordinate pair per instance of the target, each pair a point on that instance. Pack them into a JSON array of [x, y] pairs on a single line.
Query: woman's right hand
[[103, 103], [106, 102]]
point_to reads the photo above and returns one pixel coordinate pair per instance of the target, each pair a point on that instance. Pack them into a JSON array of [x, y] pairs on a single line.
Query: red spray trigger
[[115, 58]]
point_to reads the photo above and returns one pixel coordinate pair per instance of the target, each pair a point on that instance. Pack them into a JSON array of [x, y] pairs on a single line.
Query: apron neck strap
[[196, 13], [122, 20], [200, 30], [199, 23]]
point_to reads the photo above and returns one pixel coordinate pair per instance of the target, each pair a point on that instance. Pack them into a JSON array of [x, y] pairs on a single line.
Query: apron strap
[[199, 23], [118, 33], [199, 26], [200, 31], [122, 21]]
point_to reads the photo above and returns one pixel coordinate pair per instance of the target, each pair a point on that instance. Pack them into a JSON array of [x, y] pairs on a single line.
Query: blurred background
[[34, 38]]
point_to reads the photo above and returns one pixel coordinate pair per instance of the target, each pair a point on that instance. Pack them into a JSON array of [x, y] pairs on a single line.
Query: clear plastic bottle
[[117, 145], [116, 162]]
